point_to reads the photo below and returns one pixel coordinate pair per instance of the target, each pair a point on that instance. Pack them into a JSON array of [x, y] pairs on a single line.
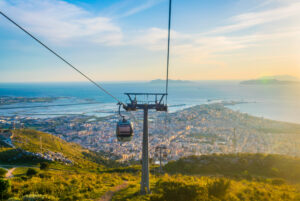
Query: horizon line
[[106, 81]]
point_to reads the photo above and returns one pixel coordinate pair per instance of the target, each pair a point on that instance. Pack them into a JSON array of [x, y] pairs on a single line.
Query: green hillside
[[246, 177], [83, 178], [245, 165], [30, 145], [197, 188]]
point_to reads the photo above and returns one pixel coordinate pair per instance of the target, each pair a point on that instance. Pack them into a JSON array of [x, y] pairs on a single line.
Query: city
[[204, 129]]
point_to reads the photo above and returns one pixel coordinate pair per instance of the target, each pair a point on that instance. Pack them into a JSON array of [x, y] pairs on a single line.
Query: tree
[[219, 188], [44, 166], [2, 172], [4, 188], [31, 172], [178, 190]]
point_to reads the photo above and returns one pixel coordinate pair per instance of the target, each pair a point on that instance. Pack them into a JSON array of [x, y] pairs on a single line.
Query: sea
[[277, 102]]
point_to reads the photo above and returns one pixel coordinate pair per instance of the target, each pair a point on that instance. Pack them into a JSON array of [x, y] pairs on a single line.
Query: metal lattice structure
[[153, 101]]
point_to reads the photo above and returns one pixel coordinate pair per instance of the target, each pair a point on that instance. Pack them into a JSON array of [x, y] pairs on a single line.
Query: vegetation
[[2, 172], [17, 157], [239, 165], [4, 188], [44, 166], [28, 141], [66, 185], [85, 178], [230, 177], [196, 188], [31, 172]]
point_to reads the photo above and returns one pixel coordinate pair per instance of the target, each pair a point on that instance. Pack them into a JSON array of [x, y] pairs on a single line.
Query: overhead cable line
[[168, 52], [168, 60], [61, 58]]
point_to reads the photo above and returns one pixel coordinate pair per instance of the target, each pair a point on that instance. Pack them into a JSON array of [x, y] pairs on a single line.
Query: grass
[[208, 188], [239, 165], [65, 185], [40, 142], [247, 176], [132, 192]]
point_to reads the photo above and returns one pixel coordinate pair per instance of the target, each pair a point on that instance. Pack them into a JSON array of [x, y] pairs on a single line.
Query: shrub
[[218, 188], [275, 172], [178, 191], [4, 188], [278, 181], [14, 199], [44, 175], [44, 166], [2, 172], [31, 172], [37, 197]]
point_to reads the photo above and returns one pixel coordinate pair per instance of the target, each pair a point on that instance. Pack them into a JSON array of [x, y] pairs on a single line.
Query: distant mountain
[[273, 80], [281, 78], [160, 81]]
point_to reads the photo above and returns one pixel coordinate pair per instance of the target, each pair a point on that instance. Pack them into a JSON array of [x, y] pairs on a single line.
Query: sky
[[126, 40]]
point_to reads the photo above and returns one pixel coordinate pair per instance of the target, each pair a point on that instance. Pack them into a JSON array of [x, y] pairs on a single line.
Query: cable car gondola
[[124, 129]]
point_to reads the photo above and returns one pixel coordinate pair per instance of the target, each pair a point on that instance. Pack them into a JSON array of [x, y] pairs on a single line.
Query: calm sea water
[[273, 102]]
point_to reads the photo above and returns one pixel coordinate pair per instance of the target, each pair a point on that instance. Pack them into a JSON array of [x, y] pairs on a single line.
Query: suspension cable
[[61, 58], [168, 62], [168, 52]]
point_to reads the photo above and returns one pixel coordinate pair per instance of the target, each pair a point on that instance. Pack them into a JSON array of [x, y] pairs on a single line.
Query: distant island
[[160, 81], [273, 80]]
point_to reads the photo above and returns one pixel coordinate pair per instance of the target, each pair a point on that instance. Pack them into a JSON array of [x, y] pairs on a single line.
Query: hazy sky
[[126, 39]]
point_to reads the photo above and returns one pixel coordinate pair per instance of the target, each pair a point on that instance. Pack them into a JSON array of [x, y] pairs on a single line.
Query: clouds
[[126, 8], [248, 20], [271, 23], [62, 22], [264, 28], [147, 4]]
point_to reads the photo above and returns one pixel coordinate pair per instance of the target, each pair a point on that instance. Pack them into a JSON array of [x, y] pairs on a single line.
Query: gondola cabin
[[124, 130]]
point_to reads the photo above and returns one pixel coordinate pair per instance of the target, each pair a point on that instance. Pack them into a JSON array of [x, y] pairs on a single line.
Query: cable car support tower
[[155, 103], [135, 103]]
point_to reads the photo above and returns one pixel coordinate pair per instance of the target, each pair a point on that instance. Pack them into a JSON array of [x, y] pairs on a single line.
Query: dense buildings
[[197, 130]]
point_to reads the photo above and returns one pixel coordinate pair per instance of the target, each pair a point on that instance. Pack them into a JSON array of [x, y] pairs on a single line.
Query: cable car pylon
[[161, 153], [155, 103]]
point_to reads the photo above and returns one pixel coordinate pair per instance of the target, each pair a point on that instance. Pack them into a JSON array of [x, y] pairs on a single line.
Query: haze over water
[[277, 102]]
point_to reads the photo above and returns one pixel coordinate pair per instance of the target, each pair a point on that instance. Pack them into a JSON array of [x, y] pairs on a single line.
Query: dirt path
[[9, 173], [109, 194]]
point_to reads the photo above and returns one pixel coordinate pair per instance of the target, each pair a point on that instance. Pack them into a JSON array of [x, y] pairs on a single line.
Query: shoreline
[[84, 108]]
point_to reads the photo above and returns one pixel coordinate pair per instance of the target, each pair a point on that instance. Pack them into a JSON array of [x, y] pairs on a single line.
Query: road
[[109, 194], [9, 173]]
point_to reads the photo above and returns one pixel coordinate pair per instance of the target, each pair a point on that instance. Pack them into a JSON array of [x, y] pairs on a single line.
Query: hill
[[32, 147], [268, 82], [239, 165], [219, 116], [86, 177], [281, 78], [223, 177], [160, 81], [74, 173], [273, 80]]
